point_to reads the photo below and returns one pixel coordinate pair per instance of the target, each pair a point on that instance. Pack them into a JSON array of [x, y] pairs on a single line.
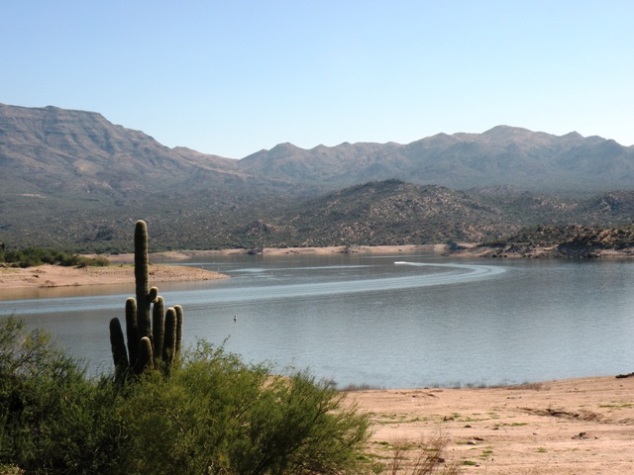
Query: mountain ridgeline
[[71, 179]]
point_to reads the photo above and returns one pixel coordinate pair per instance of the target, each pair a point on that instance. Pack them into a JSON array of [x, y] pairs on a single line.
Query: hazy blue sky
[[233, 77]]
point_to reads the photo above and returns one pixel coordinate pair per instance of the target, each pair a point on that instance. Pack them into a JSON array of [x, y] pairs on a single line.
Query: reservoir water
[[392, 321]]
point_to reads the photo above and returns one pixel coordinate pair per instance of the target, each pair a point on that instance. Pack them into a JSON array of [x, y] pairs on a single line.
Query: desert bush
[[33, 256], [213, 414], [52, 418], [99, 261]]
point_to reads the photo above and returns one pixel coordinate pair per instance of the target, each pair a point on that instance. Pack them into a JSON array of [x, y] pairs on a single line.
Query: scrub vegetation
[[30, 257], [213, 414]]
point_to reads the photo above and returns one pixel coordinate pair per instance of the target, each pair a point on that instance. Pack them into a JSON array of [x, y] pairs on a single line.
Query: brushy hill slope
[[393, 212], [74, 181]]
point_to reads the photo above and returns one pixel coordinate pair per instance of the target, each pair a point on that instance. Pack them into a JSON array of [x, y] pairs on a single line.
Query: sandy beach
[[577, 426], [180, 256], [58, 276]]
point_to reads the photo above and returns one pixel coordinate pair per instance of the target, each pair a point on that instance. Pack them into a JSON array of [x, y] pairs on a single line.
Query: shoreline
[[516, 251], [463, 250], [187, 255], [120, 270], [582, 426], [49, 276]]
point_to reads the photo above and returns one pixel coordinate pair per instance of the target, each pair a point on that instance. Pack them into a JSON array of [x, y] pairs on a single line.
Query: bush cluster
[[31, 257], [213, 415]]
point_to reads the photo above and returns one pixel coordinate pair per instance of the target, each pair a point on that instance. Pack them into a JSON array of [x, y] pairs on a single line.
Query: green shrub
[[53, 420], [214, 414], [99, 261], [31, 257]]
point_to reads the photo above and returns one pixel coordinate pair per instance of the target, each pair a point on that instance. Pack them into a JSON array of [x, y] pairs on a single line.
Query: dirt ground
[[578, 426], [58, 276]]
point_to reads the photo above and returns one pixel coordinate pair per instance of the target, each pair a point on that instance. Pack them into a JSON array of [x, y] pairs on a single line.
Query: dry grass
[[423, 458]]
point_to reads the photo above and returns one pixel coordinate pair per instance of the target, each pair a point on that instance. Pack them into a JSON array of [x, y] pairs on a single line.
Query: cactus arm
[[179, 329], [169, 341], [146, 358], [158, 328], [153, 295], [132, 330], [117, 344]]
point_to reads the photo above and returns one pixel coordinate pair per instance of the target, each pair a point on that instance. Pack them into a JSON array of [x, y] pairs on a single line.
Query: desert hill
[[72, 179], [501, 156]]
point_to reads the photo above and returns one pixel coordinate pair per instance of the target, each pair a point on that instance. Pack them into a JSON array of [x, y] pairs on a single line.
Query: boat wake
[[436, 274]]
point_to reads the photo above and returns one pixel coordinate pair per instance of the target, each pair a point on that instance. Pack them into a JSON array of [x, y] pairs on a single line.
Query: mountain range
[[72, 179]]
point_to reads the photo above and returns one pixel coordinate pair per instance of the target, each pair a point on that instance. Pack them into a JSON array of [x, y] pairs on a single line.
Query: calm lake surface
[[387, 321]]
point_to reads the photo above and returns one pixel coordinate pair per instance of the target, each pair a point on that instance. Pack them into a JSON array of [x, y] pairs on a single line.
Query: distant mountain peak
[[504, 129], [507, 132], [285, 147], [97, 177], [572, 135], [47, 140]]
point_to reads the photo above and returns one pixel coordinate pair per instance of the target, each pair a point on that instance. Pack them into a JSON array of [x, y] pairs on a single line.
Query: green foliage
[[52, 419], [293, 430], [10, 470], [99, 261], [212, 415], [215, 414], [31, 257]]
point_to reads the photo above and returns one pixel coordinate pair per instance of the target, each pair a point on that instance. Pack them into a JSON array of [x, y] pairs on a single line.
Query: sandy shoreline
[[464, 250], [53, 276], [48, 276], [185, 255], [577, 426], [121, 272]]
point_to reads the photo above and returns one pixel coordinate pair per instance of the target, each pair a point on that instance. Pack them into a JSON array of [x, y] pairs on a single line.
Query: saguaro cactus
[[145, 296], [154, 335]]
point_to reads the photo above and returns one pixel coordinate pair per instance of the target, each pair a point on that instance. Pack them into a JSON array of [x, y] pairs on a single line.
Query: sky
[[234, 77]]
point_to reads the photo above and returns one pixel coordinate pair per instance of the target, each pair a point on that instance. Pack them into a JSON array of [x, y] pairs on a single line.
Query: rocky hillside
[[501, 156], [571, 241], [81, 154], [388, 212], [393, 212], [73, 180]]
